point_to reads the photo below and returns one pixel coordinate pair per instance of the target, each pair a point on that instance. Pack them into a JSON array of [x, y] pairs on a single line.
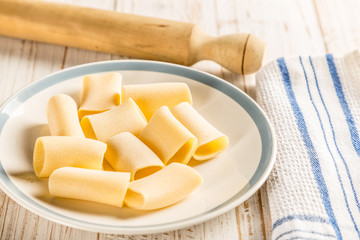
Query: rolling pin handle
[[240, 53]]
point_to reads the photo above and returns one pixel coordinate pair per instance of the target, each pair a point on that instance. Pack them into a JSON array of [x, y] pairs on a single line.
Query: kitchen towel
[[314, 106]]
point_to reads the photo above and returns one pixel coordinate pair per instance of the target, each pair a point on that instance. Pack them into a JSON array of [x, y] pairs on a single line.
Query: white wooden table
[[289, 27]]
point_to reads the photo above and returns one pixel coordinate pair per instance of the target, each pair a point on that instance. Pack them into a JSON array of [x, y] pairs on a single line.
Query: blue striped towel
[[314, 105]]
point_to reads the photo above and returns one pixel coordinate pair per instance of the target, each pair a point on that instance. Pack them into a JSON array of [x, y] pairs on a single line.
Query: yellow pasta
[[91, 185], [107, 167], [126, 153], [100, 92], [146, 146], [168, 138], [211, 142], [125, 118], [62, 116], [149, 97], [163, 188], [53, 152]]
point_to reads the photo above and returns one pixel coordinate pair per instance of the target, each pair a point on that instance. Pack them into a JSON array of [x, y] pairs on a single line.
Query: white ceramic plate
[[229, 179]]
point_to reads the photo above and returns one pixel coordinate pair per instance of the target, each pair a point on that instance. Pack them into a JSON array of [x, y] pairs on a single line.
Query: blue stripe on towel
[[307, 232], [334, 135], [308, 218], [344, 105], [328, 148], [315, 164]]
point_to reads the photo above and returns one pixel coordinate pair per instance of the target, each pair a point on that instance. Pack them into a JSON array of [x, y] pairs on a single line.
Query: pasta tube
[[163, 188], [149, 97], [62, 116], [168, 138], [126, 153], [125, 118], [53, 152], [211, 141], [91, 185], [100, 92]]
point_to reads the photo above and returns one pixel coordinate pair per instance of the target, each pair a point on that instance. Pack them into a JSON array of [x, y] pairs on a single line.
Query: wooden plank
[[250, 220], [339, 23], [266, 216], [17, 54], [222, 227]]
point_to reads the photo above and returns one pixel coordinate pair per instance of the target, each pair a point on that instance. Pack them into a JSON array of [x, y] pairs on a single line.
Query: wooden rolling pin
[[126, 34]]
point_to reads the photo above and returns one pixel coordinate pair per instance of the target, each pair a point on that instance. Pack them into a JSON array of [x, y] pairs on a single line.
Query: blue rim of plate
[[250, 106]]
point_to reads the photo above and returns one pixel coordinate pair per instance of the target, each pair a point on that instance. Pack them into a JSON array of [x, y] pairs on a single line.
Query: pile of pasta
[[147, 133]]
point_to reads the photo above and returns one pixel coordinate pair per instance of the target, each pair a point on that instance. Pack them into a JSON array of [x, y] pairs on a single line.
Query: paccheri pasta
[[126, 153], [91, 185], [125, 118], [211, 141], [54, 152], [100, 92], [150, 97], [125, 144], [163, 188], [62, 116], [168, 138]]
